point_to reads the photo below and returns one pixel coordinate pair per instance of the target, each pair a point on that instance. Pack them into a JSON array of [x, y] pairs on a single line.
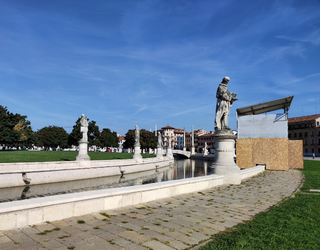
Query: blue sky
[[126, 63]]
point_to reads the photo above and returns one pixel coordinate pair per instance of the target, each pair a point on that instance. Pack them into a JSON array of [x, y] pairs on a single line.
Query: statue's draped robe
[[224, 98], [84, 128]]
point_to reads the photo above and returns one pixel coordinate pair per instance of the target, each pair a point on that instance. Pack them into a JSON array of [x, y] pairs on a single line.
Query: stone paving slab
[[179, 222]]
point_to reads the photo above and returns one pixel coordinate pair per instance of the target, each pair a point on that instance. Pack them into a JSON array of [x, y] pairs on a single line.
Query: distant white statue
[[159, 145], [84, 128], [136, 136], [225, 98], [205, 151], [169, 142]]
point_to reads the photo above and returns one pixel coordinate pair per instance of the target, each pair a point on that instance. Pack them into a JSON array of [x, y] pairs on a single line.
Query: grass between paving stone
[[293, 224], [42, 156]]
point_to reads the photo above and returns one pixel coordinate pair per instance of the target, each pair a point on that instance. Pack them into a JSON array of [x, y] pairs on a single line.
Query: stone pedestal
[[193, 151], [184, 149], [83, 152], [137, 154], [169, 153], [223, 162], [159, 153]]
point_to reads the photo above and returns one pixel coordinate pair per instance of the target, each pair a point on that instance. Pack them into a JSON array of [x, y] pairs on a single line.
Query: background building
[[306, 128]]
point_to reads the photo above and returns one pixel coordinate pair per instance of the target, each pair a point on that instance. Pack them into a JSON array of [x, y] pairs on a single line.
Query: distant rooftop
[[264, 107], [303, 118], [168, 127]]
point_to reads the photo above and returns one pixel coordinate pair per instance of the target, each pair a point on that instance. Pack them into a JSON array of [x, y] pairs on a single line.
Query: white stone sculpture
[[83, 143], [205, 151], [137, 136], [84, 128], [225, 98], [169, 150], [137, 151], [159, 147]]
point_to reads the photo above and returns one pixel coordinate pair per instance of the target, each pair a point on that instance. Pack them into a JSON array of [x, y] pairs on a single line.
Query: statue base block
[[223, 162], [159, 154], [83, 152], [193, 151], [169, 153], [137, 154]]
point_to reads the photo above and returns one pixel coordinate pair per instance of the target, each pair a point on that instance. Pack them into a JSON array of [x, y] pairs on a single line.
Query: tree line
[[16, 131]]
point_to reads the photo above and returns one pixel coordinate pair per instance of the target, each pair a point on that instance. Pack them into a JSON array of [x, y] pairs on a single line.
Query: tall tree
[[76, 135], [53, 136], [108, 138], [129, 139], [15, 129], [147, 139]]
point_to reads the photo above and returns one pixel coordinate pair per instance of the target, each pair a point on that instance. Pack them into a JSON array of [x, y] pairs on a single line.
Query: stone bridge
[[182, 152]]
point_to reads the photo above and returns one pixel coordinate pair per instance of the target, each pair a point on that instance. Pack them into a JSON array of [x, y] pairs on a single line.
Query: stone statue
[[84, 128], [159, 145], [224, 102], [169, 142], [136, 136]]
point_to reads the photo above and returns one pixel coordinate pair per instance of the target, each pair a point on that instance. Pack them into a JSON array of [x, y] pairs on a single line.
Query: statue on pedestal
[[137, 151], [159, 147], [137, 137], [83, 143], [225, 98], [223, 162], [84, 128], [159, 144], [169, 142]]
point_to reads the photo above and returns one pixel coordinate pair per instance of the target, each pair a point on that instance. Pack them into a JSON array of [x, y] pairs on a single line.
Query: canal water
[[180, 169]]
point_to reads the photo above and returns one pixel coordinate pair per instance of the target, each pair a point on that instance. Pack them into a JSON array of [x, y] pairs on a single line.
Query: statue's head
[[226, 79], [137, 127]]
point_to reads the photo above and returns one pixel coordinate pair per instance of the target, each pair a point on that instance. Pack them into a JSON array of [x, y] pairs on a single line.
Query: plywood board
[[244, 153], [272, 152], [295, 153]]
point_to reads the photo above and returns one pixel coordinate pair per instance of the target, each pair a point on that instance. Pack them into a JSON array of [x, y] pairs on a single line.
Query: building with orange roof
[[206, 138], [306, 128]]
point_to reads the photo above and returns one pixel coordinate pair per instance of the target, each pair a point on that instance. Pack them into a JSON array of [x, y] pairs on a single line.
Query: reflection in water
[[181, 169]]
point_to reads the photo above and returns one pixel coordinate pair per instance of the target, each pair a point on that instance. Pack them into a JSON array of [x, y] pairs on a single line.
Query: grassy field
[[294, 224], [42, 156]]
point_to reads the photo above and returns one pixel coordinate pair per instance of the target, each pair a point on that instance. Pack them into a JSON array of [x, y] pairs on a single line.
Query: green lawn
[[41, 156], [294, 224]]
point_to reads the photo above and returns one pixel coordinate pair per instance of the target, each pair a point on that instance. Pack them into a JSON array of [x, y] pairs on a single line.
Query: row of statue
[[225, 98], [159, 143]]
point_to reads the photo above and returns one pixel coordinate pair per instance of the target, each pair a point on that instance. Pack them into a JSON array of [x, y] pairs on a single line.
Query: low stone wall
[[68, 164], [247, 173], [13, 175], [24, 213]]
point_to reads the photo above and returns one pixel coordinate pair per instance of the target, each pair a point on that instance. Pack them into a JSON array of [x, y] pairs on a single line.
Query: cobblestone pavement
[[180, 222]]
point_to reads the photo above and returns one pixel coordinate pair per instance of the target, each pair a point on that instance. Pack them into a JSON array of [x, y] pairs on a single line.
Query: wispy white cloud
[[141, 108], [189, 111]]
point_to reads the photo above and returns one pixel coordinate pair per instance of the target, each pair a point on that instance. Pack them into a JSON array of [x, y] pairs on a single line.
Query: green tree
[[108, 138], [129, 139], [53, 136], [93, 133], [147, 139], [76, 135], [15, 129]]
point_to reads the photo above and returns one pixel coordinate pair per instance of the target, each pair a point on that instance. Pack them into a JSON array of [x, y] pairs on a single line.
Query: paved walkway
[[174, 223], [311, 158]]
